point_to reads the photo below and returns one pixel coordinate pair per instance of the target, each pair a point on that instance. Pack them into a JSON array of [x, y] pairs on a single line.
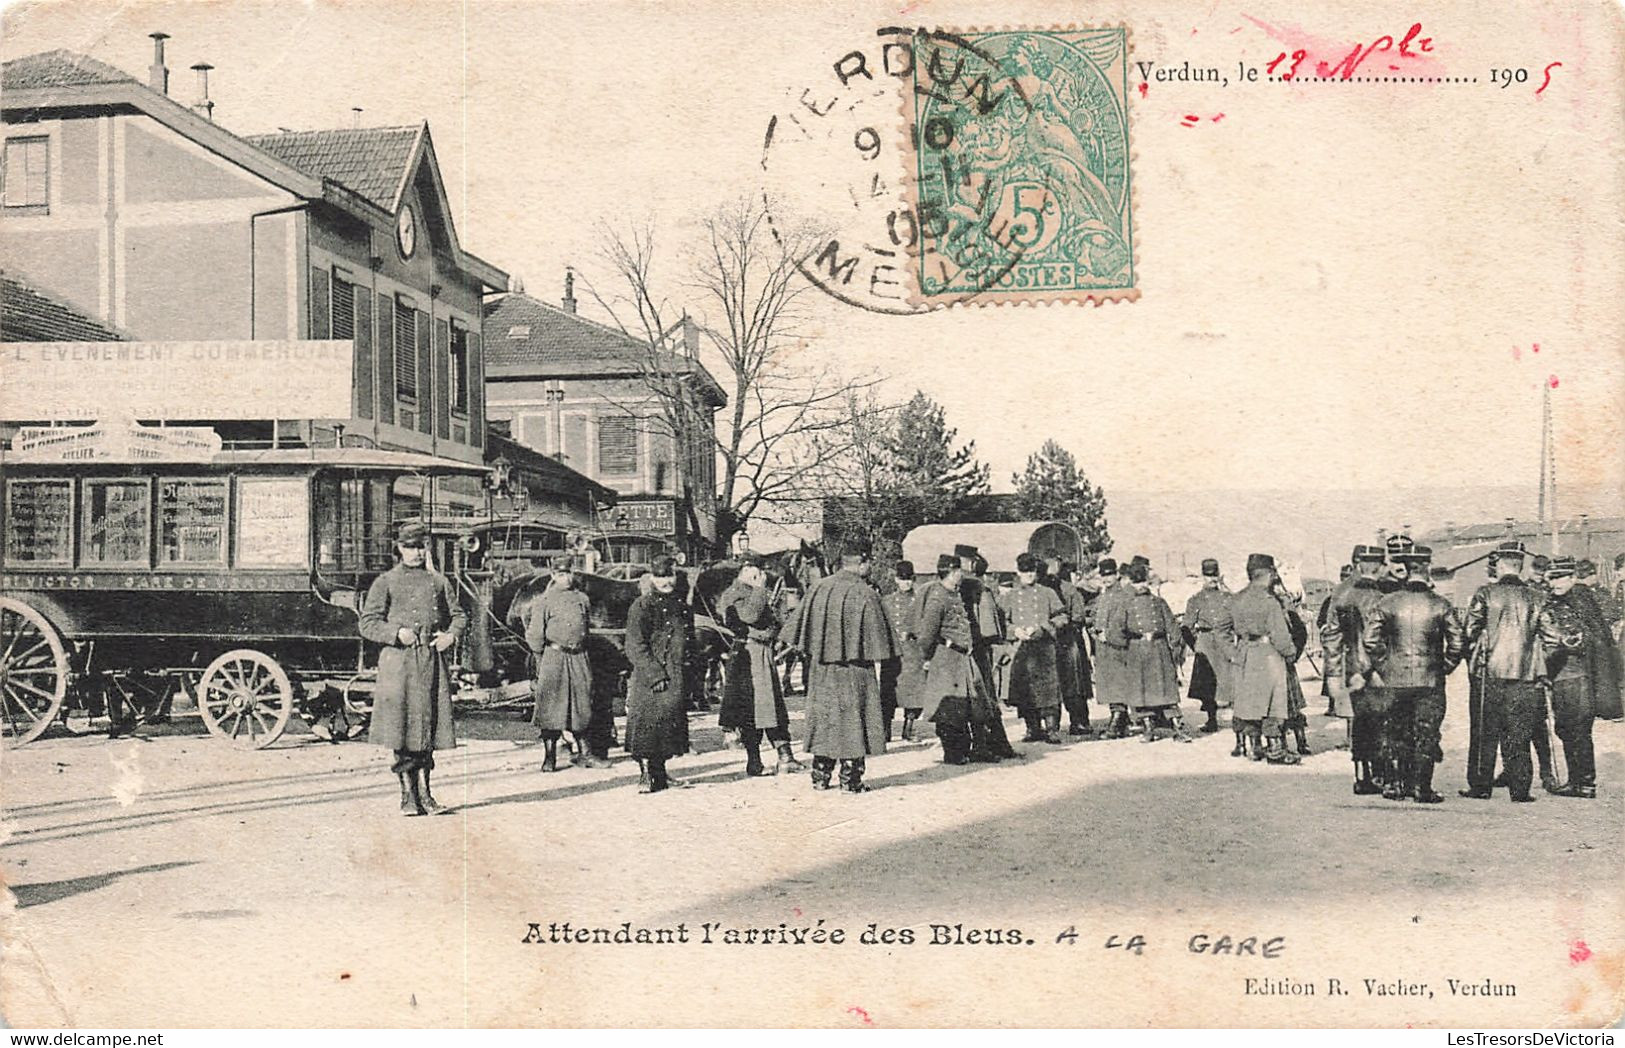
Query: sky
[[1343, 285]]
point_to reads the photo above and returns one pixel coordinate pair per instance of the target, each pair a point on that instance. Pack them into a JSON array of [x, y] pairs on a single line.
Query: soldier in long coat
[[413, 612], [1570, 669], [953, 685], [987, 633], [843, 632], [1263, 641], [1207, 621], [1108, 658], [751, 699], [1142, 629], [556, 627], [901, 678], [657, 646], [1072, 652], [1347, 665], [1602, 654], [1033, 615]]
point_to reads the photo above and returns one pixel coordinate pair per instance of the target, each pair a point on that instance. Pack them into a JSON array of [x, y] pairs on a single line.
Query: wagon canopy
[[999, 543]]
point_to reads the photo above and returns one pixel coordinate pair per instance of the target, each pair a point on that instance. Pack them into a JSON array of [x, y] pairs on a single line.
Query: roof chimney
[[569, 289], [203, 107], [158, 73], [355, 116]]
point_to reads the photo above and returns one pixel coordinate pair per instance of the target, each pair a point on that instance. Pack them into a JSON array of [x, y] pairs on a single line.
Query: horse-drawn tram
[[232, 577]]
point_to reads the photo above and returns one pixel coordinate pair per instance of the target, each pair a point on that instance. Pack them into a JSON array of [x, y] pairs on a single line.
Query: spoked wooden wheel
[[245, 698], [33, 672]]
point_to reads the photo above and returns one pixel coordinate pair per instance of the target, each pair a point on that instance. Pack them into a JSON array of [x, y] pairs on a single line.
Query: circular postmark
[[945, 167], [860, 179]]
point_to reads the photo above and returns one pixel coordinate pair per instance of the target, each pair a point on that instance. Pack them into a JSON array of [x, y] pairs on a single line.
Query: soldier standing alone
[[657, 646]]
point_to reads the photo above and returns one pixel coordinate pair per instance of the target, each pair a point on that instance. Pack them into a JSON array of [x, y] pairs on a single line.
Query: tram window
[[192, 522], [352, 524], [39, 521], [118, 522], [273, 522]]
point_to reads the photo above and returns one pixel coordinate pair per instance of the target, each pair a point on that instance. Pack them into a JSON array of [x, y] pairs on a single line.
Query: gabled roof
[[527, 338], [28, 314], [373, 161], [335, 175]]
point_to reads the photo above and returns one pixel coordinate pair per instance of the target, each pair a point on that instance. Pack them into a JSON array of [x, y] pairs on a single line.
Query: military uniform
[[1347, 666], [1141, 627], [1505, 631], [1207, 621], [902, 677], [1570, 670], [1108, 659], [953, 686], [1602, 655], [1072, 653], [1263, 646], [987, 633], [1414, 640], [1034, 678], [751, 698], [657, 646], [556, 628], [411, 705], [843, 631]]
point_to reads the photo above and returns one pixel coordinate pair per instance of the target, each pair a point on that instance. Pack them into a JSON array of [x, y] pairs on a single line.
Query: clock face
[[406, 231]]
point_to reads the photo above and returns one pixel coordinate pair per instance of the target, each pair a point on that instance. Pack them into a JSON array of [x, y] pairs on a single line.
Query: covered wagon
[[999, 543]]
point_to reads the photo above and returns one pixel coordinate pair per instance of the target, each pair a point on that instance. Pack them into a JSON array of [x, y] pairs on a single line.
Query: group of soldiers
[[950, 648], [1545, 640]]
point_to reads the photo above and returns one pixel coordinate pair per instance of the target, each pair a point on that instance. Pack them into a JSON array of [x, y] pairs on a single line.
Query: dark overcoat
[[411, 706], [656, 644], [842, 630], [751, 696], [906, 673], [1141, 627]]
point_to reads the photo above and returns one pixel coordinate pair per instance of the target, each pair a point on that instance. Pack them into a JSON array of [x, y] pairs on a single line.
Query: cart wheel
[[33, 672], [245, 698]]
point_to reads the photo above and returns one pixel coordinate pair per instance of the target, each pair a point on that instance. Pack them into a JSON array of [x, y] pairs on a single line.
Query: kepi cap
[[663, 567], [1210, 568], [412, 535], [1560, 568], [1368, 554], [1259, 562], [904, 569], [1026, 562]]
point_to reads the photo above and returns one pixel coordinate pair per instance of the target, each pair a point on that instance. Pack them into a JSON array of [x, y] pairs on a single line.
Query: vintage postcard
[[856, 515]]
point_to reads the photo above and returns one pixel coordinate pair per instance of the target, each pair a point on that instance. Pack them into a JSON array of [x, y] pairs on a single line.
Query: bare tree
[[783, 420]]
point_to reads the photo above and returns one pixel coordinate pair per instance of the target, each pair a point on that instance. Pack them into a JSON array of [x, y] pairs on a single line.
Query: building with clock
[[586, 394], [255, 272]]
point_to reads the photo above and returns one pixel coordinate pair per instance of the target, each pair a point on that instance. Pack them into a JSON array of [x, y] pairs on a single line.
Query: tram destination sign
[[79, 381]]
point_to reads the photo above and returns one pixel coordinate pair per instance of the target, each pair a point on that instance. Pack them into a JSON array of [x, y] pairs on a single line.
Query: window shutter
[[425, 374], [442, 379], [476, 391], [386, 359], [575, 442], [321, 305], [364, 378]]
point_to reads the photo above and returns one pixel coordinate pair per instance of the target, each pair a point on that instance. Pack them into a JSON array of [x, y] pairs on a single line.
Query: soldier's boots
[[1278, 753], [1212, 724], [909, 717], [658, 779], [1476, 793], [1180, 733], [1240, 749], [1035, 729], [645, 784], [1396, 785], [753, 756], [1577, 790], [787, 760], [1424, 792], [852, 776], [583, 757], [1303, 741], [1550, 784], [1052, 728], [426, 799], [1119, 725], [889, 719], [1079, 729], [1363, 784], [409, 793], [822, 769], [1255, 743], [550, 762], [1148, 729]]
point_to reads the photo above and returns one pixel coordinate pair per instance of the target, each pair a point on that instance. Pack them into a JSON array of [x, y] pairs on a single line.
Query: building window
[[406, 350], [343, 307], [117, 522], [39, 522], [192, 522], [459, 369], [27, 173], [618, 444]]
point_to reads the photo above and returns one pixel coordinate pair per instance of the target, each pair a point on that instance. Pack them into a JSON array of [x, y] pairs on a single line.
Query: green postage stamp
[[1023, 184]]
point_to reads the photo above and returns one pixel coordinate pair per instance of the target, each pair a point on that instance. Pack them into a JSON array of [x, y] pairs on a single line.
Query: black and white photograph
[[724, 514]]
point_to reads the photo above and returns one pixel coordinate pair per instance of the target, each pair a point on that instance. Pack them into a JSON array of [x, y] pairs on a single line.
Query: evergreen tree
[[1053, 488], [926, 469]]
